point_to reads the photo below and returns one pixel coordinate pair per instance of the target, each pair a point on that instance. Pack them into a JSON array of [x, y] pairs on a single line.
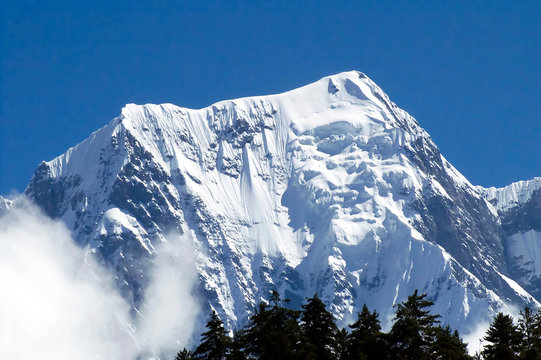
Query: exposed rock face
[[329, 188]]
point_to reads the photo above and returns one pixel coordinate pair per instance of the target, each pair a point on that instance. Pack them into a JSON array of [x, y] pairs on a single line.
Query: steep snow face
[[519, 208], [524, 251], [328, 188], [516, 194]]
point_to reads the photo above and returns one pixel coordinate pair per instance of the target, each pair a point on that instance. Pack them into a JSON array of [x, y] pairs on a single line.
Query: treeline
[[276, 332]]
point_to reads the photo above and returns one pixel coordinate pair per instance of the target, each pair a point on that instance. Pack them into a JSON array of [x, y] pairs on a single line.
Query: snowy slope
[[519, 208], [328, 188], [512, 195]]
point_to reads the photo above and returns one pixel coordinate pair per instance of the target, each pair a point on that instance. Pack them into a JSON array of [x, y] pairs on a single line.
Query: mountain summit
[[329, 188]]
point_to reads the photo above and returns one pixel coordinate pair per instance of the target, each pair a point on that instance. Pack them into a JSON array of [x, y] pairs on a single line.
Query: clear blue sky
[[469, 71]]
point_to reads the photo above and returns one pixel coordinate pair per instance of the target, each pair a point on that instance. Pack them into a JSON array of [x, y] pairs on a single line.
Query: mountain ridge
[[328, 188]]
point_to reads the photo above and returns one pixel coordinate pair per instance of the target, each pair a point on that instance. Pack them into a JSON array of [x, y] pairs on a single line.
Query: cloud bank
[[170, 311], [56, 302]]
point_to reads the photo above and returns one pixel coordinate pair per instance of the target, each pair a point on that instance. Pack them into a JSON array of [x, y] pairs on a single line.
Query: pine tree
[[273, 332], [365, 342], [504, 339], [215, 343], [238, 345], [341, 341], [413, 330], [319, 331], [448, 345], [184, 354], [255, 337], [530, 327]]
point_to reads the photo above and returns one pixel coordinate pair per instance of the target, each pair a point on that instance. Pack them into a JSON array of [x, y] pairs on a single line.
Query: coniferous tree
[[215, 343], [530, 327], [238, 345], [504, 338], [342, 343], [319, 331], [413, 330], [184, 354], [273, 332], [447, 345], [365, 342]]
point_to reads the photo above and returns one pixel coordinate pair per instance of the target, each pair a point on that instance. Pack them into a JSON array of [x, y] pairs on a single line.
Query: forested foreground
[[277, 332]]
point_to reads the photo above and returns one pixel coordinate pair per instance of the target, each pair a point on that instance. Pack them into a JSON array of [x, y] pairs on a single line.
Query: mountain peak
[[327, 188], [348, 99], [354, 86]]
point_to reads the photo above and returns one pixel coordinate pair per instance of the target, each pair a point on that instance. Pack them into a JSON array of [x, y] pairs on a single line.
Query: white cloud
[[474, 339], [57, 303], [170, 311]]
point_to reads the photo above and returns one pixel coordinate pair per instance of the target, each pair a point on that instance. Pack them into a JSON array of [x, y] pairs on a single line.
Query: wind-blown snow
[[5, 204]]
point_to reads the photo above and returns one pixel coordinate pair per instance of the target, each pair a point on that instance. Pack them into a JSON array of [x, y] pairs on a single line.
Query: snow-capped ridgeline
[[329, 188], [513, 195], [519, 209]]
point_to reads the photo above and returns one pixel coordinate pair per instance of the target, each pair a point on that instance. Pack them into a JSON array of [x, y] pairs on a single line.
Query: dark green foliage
[[504, 338], [447, 345], [237, 346], [215, 343], [273, 332], [365, 342], [529, 325], [413, 330], [342, 343], [184, 354], [277, 332], [320, 334]]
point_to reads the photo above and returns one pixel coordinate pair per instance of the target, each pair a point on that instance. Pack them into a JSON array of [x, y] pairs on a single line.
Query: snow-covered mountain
[[519, 208], [329, 188]]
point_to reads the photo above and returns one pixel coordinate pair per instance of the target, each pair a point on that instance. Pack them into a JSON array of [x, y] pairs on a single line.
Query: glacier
[[329, 188]]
